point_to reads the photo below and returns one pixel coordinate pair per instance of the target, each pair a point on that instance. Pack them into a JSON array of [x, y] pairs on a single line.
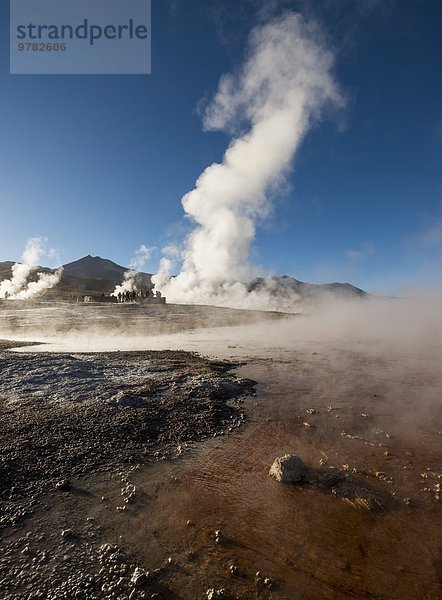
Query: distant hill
[[6, 265], [88, 274], [94, 267], [96, 274], [92, 274], [285, 286], [5, 269]]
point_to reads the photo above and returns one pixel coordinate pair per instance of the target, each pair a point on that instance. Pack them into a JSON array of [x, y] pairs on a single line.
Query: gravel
[[64, 417]]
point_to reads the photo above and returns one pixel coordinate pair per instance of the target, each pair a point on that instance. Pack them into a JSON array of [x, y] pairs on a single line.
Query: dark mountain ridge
[[96, 274], [285, 286], [95, 267], [7, 264], [88, 274]]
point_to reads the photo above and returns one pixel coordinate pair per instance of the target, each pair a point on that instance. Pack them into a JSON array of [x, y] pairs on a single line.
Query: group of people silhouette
[[133, 295]]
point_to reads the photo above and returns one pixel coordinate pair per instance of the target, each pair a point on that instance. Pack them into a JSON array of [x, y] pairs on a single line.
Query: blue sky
[[98, 164]]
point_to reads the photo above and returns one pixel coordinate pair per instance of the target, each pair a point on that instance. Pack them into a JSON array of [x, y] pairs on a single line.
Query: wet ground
[[213, 519], [68, 422], [128, 319], [308, 543]]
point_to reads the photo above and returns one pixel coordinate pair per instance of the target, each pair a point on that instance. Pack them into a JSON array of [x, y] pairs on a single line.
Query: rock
[[67, 533], [330, 478], [218, 536], [229, 388], [358, 495], [213, 594], [288, 469], [106, 549], [64, 485], [129, 401], [139, 577]]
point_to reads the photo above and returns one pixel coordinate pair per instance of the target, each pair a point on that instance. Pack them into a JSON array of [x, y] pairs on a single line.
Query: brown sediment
[[308, 543]]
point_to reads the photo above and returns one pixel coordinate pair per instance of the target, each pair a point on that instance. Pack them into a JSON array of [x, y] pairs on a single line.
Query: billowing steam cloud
[[18, 287], [283, 86], [130, 280]]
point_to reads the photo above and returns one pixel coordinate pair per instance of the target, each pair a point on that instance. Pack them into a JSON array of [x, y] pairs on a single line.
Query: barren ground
[[146, 495]]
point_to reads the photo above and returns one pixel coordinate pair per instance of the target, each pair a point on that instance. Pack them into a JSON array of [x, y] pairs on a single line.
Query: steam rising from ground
[[397, 340], [376, 325], [18, 287], [131, 276], [282, 87]]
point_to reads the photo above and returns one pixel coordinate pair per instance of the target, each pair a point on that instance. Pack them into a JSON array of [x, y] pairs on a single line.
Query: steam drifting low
[[129, 283], [18, 287], [282, 87]]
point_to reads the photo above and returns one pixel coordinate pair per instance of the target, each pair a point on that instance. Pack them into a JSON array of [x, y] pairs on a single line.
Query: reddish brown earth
[[310, 544]]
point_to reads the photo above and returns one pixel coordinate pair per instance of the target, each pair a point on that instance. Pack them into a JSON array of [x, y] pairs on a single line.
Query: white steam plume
[[18, 287], [129, 283], [282, 87]]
